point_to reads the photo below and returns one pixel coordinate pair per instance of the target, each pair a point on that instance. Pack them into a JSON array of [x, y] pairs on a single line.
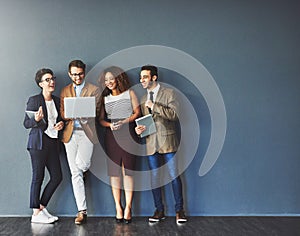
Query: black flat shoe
[[119, 220]]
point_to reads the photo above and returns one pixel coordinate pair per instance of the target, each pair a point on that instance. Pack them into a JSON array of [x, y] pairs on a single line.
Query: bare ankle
[[36, 211]]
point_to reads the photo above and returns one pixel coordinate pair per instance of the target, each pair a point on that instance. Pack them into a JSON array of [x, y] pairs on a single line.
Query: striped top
[[119, 106]]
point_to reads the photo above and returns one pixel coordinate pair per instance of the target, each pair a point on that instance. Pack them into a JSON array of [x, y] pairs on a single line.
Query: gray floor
[[287, 226]]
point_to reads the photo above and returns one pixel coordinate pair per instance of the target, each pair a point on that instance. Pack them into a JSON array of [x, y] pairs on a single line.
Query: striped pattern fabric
[[119, 106]]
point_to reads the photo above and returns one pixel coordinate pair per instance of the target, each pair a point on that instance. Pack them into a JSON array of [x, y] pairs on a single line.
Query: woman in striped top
[[119, 108]]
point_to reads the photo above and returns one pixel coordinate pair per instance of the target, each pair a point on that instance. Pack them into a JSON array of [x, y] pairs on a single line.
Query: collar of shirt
[[79, 88], [155, 91]]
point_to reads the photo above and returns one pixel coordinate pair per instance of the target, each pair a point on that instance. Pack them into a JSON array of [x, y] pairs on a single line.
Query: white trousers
[[79, 154]]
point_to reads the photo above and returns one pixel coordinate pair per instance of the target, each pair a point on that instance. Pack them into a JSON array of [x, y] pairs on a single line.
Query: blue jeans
[[48, 158], [155, 161]]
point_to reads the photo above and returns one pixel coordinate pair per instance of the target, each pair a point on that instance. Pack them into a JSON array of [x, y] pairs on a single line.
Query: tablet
[[31, 115], [147, 121], [80, 107]]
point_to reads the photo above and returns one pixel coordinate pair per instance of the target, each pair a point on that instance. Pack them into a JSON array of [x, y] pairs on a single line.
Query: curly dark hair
[[121, 77]]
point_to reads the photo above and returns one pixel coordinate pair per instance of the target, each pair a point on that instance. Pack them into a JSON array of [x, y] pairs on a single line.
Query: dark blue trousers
[[48, 158]]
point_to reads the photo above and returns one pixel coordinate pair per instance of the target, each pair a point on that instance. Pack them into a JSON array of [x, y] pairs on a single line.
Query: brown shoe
[[180, 217], [158, 216], [80, 218]]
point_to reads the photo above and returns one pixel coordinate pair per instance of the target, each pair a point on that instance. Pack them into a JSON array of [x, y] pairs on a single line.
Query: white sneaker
[[41, 218], [49, 215]]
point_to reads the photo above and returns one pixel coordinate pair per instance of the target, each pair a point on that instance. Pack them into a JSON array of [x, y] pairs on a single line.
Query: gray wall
[[251, 48]]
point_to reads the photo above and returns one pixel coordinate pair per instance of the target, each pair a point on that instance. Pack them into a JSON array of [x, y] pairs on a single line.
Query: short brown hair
[[40, 73], [78, 64]]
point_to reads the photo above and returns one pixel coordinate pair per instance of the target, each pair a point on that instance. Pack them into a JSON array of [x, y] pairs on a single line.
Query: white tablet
[[31, 114], [80, 107]]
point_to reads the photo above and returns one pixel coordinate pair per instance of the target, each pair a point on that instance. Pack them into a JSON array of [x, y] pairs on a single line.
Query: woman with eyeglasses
[[42, 116]]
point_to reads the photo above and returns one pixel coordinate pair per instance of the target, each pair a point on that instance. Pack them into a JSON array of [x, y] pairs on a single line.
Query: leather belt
[[77, 128]]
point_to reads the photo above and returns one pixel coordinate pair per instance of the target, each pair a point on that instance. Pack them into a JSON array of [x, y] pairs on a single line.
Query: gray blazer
[[165, 116]]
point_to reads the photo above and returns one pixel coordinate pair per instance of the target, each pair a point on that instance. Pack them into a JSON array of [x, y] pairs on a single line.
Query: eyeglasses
[[79, 74], [49, 79]]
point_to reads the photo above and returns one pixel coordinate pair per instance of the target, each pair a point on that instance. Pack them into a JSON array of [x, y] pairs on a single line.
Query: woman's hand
[[116, 125], [39, 115], [59, 126]]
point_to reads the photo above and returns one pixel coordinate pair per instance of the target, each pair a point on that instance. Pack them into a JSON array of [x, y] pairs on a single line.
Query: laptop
[[80, 107]]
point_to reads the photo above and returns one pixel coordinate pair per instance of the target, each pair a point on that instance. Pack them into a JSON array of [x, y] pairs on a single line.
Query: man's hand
[[140, 129], [149, 104]]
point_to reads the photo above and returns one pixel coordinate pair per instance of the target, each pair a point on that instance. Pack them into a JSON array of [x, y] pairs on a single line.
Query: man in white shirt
[[79, 135]]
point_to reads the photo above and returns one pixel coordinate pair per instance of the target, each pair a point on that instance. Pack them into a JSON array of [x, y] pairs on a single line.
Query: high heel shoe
[[120, 220], [128, 221]]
